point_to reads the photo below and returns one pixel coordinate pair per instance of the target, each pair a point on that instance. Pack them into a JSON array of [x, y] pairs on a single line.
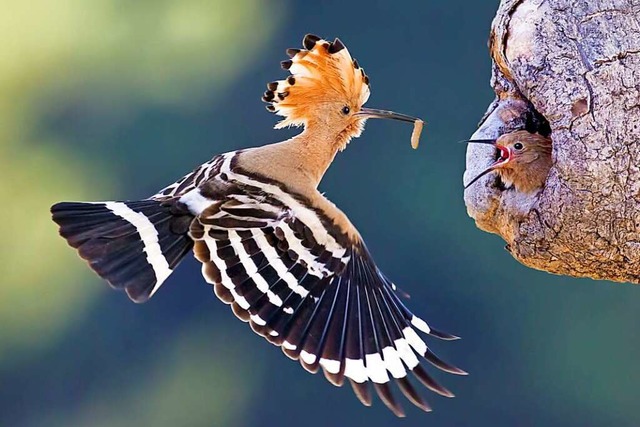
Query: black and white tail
[[133, 245]]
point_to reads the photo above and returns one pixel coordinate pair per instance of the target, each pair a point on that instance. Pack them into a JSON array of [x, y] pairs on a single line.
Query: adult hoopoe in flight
[[285, 258]]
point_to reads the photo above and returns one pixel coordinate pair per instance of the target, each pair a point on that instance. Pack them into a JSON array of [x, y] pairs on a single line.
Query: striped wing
[[307, 288], [190, 181]]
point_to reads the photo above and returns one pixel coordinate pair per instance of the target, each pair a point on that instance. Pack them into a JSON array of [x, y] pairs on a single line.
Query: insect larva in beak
[[415, 135]]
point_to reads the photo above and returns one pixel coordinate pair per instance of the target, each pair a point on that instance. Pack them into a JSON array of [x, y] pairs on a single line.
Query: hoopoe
[[284, 257], [524, 160]]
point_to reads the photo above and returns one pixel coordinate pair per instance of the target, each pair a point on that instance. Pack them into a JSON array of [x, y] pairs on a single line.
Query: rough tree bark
[[575, 63]]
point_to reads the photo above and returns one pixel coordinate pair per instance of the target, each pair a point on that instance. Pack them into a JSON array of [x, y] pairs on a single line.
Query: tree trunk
[[575, 63]]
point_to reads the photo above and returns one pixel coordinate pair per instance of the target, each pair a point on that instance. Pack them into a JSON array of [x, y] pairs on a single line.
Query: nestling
[[524, 160], [287, 260]]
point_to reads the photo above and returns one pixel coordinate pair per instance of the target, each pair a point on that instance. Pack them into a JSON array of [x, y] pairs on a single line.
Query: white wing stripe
[[308, 357], [331, 366], [415, 341], [354, 369], [287, 345], [252, 270], [226, 281], [149, 236], [420, 324], [257, 320], [315, 268], [393, 363], [195, 201], [406, 354], [376, 369], [277, 264]]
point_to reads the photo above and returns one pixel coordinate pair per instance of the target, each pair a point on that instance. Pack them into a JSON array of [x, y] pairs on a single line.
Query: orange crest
[[323, 72]]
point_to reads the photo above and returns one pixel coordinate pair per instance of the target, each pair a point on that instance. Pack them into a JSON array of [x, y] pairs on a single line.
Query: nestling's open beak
[[374, 113], [500, 161]]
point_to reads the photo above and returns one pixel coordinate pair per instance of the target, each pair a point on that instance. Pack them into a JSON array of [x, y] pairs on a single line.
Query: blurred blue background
[[112, 99]]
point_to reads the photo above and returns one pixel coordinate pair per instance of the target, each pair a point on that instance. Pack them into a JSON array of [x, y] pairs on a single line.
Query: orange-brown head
[[524, 160], [326, 91]]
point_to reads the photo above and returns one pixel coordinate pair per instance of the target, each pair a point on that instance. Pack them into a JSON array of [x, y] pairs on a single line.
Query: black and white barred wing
[[315, 294], [190, 181]]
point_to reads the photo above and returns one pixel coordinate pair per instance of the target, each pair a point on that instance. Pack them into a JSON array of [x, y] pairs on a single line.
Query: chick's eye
[[518, 146], [346, 110]]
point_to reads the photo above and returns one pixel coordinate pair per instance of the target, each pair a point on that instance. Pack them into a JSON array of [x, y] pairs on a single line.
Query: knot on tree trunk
[[575, 64]]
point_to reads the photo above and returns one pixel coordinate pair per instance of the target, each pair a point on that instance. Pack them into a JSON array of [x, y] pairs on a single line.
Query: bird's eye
[[518, 146], [346, 110]]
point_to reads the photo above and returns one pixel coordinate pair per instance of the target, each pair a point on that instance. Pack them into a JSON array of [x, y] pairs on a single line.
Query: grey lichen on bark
[[576, 63]]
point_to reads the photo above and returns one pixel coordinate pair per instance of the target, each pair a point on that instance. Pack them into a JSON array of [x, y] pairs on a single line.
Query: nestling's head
[[524, 160], [326, 90]]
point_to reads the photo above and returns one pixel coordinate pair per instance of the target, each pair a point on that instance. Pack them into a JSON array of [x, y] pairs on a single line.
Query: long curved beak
[[479, 141], [481, 174], [504, 158], [374, 113]]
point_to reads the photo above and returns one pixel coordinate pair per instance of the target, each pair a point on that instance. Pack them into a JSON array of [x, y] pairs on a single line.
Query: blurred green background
[[112, 99]]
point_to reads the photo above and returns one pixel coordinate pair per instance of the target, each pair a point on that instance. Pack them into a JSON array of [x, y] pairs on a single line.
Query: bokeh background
[[113, 99]]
